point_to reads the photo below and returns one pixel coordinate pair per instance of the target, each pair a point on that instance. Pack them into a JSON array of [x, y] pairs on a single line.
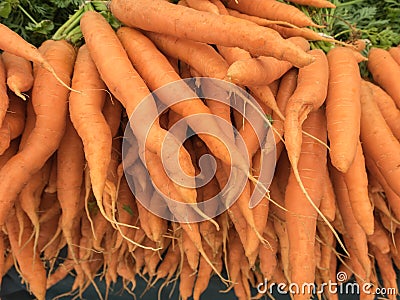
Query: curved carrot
[[385, 71], [49, 99], [231, 31], [19, 74], [86, 116], [343, 108]]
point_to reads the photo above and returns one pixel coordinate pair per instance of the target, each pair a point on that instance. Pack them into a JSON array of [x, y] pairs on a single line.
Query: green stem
[[27, 14], [60, 33], [349, 3]]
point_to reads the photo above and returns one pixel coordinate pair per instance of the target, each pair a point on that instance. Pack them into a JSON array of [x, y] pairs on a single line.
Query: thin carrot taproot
[[315, 3], [3, 91], [232, 31]]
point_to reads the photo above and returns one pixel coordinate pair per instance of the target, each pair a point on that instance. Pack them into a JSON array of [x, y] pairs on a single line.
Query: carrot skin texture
[[3, 92], [343, 108], [232, 31], [49, 127], [385, 71]]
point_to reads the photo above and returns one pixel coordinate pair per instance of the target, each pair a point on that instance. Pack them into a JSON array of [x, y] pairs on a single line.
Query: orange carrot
[[395, 53], [357, 185], [385, 70], [301, 216], [231, 32], [343, 109], [30, 265], [3, 91], [387, 108], [203, 5], [49, 126], [70, 165], [262, 70], [19, 74], [95, 134], [272, 10], [380, 238], [375, 131]]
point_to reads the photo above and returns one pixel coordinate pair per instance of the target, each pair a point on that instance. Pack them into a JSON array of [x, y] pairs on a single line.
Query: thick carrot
[[187, 278], [97, 31], [315, 3], [231, 31], [19, 74], [301, 216], [387, 107], [30, 265], [86, 116], [262, 70], [357, 185], [70, 165], [272, 10], [343, 107], [375, 131], [49, 100], [385, 70]]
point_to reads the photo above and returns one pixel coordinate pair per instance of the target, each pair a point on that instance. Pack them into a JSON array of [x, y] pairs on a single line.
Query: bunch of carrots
[[334, 201]]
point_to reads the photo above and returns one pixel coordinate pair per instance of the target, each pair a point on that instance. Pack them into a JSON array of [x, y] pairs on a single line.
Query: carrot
[[3, 92], [328, 200], [13, 43], [301, 216], [282, 234], [158, 225], [385, 70], [387, 108], [19, 74], [169, 264], [203, 275], [375, 131], [272, 10], [380, 238], [30, 265], [92, 24], [14, 121], [395, 53], [95, 134], [355, 237], [315, 3], [47, 134], [70, 165], [187, 278], [343, 108], [231, 32], [262, 70], [310, 93], [357, 185], [387, 272], [267, 254]]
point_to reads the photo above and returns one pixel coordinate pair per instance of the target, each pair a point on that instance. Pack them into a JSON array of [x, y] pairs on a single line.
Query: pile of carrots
[[333, 204]]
